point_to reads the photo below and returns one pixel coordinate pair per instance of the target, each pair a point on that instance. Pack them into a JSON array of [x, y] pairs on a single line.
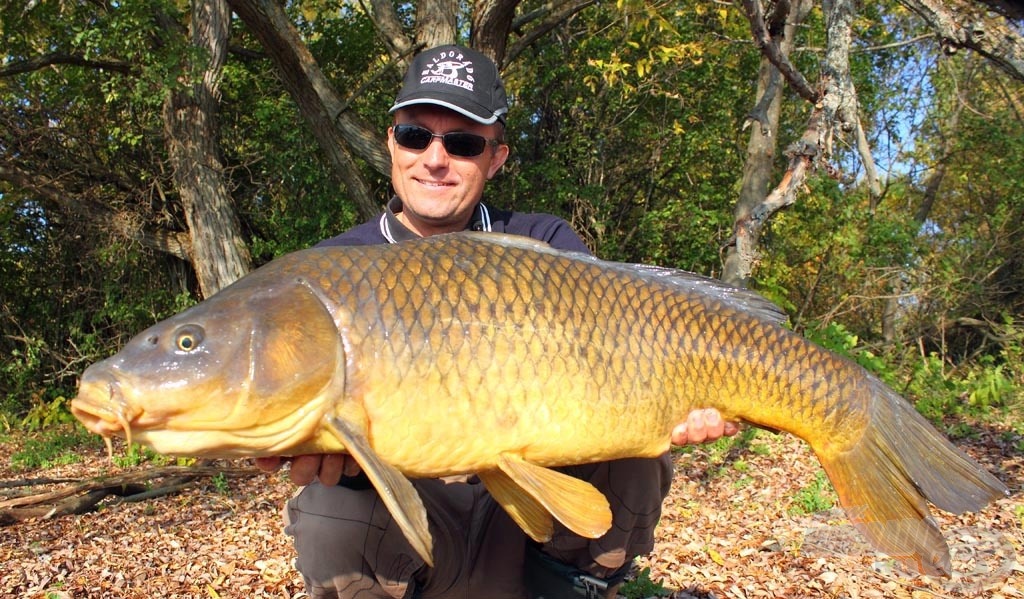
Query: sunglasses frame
[[448, 140]]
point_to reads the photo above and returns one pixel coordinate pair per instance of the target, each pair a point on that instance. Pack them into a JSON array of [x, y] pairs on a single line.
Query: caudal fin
[[885, 478]]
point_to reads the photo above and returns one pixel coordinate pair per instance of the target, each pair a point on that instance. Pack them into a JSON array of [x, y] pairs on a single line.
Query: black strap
[[548, 578]]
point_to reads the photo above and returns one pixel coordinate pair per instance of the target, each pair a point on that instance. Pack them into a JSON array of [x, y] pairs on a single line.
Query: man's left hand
[[703, 426]]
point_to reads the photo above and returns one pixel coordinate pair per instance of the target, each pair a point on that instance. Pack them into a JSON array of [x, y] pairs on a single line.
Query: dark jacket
[[388, 229]]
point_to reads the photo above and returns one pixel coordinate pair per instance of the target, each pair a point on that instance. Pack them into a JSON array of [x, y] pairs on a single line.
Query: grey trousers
[[348, 546]]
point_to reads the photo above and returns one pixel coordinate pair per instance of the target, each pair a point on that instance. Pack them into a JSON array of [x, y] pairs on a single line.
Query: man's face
[[438, 190]]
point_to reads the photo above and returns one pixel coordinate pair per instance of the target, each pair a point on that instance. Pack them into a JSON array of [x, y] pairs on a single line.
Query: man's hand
[[327, 468], [703, 426]]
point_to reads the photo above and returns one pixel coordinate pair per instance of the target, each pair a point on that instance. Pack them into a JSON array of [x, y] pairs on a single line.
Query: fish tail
[[885, 477]]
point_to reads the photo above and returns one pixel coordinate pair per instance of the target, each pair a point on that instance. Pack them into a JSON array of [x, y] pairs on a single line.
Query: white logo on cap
[[449, 68]]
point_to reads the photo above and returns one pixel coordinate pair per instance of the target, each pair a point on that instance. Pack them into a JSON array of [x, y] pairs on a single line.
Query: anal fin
[[575, 503], [395, 490], [527, 512]]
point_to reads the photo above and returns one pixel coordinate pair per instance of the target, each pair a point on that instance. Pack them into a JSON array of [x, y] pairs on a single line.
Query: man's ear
[[391, 142], [498, 159]]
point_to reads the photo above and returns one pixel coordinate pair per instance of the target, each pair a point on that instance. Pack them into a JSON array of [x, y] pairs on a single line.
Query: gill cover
[[295, 346], [296, 366]]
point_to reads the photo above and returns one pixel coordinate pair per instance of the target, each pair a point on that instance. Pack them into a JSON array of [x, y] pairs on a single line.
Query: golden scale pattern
[[543, 324]]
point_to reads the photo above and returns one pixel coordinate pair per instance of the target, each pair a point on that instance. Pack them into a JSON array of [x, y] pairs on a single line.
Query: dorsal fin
[[738, 298]]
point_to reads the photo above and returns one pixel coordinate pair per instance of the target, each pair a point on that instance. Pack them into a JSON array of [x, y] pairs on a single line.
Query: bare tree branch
[[541, 22], [770, 49], [41, 62], [741, 254], [870, 170], [83, 496], [803, 157], [335, 128], [176, 243], [385, 20], [759, 113], [960, 24], [1011, 9]]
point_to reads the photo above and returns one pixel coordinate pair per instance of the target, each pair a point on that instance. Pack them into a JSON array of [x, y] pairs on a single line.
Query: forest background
[[151, 151]]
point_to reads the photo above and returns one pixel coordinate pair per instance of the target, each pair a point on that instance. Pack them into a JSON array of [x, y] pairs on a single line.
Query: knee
[[329, 518], [344, 539]]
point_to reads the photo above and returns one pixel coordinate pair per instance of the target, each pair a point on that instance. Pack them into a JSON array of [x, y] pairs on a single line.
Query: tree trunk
[[218, 251], [763, 141], [335, 127], [436, 23], [492, 20]]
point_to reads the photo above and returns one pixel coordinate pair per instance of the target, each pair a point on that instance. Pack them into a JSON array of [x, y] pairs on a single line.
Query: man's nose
[[435, 153]]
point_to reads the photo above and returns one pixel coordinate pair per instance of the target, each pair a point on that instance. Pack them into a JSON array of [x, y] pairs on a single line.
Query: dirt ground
[[735, 526]]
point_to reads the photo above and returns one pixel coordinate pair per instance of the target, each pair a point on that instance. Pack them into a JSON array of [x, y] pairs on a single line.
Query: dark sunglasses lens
[[464, 144], [456, 144], [414, 138]]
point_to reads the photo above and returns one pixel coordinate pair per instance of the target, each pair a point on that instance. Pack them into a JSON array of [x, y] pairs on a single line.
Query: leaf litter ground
[[734, 526]]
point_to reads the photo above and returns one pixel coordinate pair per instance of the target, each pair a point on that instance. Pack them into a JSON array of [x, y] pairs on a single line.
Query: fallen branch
[[82, 496]]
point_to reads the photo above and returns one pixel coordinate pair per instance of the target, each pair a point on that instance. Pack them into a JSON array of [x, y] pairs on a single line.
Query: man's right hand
[[327, 468]]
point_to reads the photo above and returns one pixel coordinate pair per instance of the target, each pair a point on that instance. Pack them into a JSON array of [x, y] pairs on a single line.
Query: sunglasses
[[466, 145]]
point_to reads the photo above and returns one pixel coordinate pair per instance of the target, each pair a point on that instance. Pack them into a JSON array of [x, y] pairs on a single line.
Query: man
[[446, 142]]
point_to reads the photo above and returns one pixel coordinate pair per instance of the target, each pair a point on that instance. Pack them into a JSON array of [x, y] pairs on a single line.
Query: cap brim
[[487, 118]]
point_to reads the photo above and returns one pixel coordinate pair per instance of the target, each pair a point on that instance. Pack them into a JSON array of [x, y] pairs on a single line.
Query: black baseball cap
[[457, 78]]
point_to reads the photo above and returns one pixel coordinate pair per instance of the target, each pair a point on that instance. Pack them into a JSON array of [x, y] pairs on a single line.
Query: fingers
[[332, 466], [304, 469], [269, 464], [327, 468], [703, 426], [352, 467]]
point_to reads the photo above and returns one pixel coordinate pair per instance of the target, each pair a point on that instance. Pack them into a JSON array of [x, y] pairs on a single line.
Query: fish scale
[[488, 354]]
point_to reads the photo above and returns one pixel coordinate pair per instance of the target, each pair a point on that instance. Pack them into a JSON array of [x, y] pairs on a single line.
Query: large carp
[[495, 355]]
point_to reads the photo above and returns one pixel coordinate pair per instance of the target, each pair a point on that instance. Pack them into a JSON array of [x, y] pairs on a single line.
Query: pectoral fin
[[527, 512], [575, 503], [398, 494]]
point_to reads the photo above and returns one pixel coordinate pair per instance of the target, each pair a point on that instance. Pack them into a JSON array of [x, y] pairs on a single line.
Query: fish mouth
[[101, 408]]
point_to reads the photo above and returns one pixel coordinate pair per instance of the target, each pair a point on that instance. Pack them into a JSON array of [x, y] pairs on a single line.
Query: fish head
[[251, 371]]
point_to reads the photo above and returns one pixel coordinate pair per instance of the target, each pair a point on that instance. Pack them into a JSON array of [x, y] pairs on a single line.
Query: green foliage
[[643, 587], [220, 483], [139, 454], [90, 321], [985, 390], [53, 447], [817, 496], [585, 102], [837, 338], [44, 415]]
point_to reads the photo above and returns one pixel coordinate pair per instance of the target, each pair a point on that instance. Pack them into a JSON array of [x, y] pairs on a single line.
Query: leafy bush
[[990, 386], [55, 447]]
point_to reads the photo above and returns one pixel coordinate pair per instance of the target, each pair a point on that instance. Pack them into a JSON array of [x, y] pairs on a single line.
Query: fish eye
[[188, 338]]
